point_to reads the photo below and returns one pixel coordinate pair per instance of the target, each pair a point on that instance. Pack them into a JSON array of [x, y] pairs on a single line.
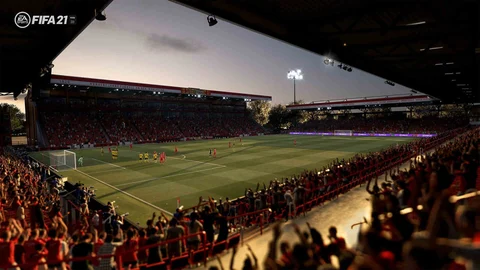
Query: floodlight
[[99, 16], [295, 75], [328, 61], [211, 20]]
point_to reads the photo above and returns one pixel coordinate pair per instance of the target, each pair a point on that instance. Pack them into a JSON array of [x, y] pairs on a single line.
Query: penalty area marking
[[126, 193], [108, 163], [168, 176], [201, 162], [185, 158]]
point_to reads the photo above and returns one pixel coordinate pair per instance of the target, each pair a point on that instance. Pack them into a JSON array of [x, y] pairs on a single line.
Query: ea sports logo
[[22, 19]]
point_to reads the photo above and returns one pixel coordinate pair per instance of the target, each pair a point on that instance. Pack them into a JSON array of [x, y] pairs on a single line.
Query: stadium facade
[[74, 111]]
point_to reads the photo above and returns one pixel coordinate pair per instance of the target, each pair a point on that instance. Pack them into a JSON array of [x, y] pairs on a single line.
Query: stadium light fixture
[[390, 83], [416, 23], [329, 61], [295, 75], [211, 20], [99, 16]]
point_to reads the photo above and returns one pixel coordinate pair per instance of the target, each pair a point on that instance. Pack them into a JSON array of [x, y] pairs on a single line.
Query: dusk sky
[[160, 42]]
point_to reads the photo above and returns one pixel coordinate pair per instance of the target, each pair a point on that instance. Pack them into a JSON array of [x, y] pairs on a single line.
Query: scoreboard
[[195, 91]]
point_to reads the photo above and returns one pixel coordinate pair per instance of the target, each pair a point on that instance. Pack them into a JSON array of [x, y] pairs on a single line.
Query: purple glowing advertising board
[[358, 134]]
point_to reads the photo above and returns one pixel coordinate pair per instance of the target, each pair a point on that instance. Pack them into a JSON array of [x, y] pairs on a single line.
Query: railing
[[187, 258]]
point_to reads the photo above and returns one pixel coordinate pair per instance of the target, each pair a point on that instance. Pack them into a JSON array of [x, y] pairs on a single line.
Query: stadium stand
[[374, 125]]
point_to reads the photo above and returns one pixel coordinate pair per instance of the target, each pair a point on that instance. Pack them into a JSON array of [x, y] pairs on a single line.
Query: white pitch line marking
[[201, 162], [111, 164], [110, 170], [126, 193], [168, 176]]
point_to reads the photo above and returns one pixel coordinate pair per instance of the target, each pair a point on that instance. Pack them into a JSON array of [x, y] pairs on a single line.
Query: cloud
[[165, 42]]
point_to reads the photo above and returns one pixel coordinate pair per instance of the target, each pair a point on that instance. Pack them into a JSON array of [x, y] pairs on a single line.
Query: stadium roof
[[24, 52], [367, 102], [429, 46], [90, 84]]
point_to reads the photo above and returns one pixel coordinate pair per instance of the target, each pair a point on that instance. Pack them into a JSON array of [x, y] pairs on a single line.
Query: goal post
[[70, 159], [343, 133], [63, 160]]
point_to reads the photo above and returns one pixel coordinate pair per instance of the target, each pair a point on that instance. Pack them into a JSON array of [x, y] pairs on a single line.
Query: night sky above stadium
[[160, 42]]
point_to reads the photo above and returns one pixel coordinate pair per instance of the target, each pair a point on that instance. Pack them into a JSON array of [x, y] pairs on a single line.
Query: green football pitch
[[141, 188]]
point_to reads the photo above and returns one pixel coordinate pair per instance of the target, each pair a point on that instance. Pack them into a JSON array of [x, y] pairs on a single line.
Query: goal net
[[65, 160], [343, 133]]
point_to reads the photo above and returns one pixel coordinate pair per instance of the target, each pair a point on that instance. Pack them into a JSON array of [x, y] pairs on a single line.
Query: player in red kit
[[295, 142], [215, 152], [109, 150], [176, 150], [229, 144], [131, 146]]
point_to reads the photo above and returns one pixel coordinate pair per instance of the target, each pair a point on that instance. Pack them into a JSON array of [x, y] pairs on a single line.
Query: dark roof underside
[[23, 52], [376, 36]]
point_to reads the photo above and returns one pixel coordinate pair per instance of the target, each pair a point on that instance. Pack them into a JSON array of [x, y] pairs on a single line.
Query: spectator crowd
[[385, 125], [421, 217], [71, 128]]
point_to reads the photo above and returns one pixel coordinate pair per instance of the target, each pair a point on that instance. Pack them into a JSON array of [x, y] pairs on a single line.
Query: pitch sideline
[[168, 176], [126, 193]]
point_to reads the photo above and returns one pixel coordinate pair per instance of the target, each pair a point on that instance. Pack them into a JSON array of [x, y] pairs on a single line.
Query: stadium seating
[[379, 125], [67, 128]]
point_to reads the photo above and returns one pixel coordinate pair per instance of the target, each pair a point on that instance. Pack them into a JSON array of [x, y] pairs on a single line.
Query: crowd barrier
[[261, 218], [189, 257]]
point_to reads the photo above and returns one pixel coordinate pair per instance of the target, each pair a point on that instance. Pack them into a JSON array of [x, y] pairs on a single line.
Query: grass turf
[[141, 188]]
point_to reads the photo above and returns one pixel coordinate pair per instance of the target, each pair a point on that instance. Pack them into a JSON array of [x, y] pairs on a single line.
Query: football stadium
[[375, 164]]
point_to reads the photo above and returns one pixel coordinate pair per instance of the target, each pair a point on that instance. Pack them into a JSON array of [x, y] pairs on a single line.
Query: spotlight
[[328, 61], [99, 16], [340, 66], [211, 20], [390, 83], [345, 67], [349, 69], [50, 66]]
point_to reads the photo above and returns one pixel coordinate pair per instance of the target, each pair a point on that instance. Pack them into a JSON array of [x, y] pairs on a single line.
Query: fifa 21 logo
[[23, 19]]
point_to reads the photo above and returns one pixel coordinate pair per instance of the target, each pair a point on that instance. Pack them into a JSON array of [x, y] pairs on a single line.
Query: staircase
[[42, 140]]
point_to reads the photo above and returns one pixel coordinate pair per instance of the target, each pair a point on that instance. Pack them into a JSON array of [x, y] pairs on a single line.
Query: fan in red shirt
[[8, 239], [30, 244], [130, 247], [339, 241]]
